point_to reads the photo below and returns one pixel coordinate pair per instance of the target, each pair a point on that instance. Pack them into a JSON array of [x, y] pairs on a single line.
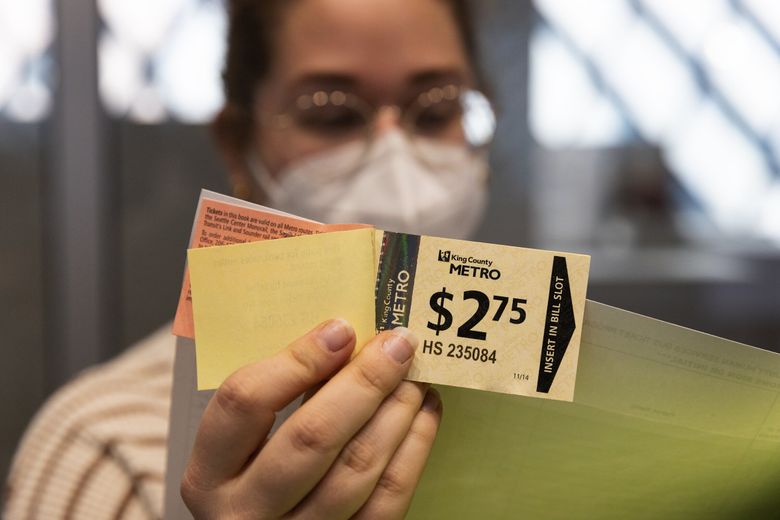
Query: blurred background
[[643, 132]]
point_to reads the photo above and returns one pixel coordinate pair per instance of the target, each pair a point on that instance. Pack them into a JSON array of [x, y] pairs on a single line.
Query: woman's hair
[[250, 49]]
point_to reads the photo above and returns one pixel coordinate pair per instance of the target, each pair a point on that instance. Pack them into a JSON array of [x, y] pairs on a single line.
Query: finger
[[305, 446], [354, 474], [394, 490], [242, 411], [312, 391]]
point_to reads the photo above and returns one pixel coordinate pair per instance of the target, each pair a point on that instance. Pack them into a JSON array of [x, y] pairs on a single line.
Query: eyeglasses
[[326, 119]]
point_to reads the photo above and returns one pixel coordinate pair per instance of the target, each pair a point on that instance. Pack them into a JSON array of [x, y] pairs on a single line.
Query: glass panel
[[161, 60], [698, 79], [26, 31]]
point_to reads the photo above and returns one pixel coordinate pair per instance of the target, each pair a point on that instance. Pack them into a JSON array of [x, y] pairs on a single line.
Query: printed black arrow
[[559, 325]]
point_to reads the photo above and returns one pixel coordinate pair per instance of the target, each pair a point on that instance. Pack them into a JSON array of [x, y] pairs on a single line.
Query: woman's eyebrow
[[322, 81], [433, 77]]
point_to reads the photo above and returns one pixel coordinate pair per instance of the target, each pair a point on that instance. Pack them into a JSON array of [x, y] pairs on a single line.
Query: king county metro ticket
[[490, 317]]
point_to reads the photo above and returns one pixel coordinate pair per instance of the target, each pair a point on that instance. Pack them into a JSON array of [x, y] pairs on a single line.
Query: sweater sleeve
[[97, 447]]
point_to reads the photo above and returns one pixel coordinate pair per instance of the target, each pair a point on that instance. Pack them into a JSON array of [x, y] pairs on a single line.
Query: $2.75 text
[[467, 329]]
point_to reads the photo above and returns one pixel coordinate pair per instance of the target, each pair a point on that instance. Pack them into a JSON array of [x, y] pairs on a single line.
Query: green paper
[[666, 423]]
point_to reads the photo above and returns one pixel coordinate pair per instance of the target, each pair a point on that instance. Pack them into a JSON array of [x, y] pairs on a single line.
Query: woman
[[339, 110]]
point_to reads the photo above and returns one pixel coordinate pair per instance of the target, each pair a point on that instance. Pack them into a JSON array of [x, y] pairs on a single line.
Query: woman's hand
[[357, 448]]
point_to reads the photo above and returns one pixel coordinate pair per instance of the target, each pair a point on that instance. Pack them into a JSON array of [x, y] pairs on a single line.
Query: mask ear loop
[[271, 188]]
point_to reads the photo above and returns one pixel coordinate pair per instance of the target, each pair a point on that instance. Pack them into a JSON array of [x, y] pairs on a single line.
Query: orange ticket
[[221, 223]]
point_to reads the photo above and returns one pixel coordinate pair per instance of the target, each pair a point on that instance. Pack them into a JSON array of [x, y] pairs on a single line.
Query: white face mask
[[392, 189]]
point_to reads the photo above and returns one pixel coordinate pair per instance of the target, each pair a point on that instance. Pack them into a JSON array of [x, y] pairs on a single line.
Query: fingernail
[[432, 401], [336, 334], [400, 344]]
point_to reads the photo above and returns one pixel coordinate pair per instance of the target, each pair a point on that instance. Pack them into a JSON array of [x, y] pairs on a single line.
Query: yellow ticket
[[489, 317], [251, 300]]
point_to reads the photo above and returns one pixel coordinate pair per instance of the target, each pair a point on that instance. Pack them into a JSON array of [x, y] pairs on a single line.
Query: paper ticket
[[251, 300], [222, 220], [490, 317]]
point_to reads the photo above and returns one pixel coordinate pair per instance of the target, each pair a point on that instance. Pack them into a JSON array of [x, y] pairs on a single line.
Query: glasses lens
[[330, 116], [324, 120], [449, 115], [437, 114], [454, 115]]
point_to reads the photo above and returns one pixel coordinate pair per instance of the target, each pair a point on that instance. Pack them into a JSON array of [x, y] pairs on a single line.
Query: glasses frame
[[406, 117]]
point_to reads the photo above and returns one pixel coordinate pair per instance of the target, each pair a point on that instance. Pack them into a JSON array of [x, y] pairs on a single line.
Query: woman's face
[[381, 52]]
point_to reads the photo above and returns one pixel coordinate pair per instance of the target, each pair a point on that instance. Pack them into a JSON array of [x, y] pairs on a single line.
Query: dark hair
[[250, 49]]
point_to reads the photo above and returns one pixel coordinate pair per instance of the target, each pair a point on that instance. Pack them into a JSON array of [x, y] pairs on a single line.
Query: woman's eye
[[438, 117], [331, 120]]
